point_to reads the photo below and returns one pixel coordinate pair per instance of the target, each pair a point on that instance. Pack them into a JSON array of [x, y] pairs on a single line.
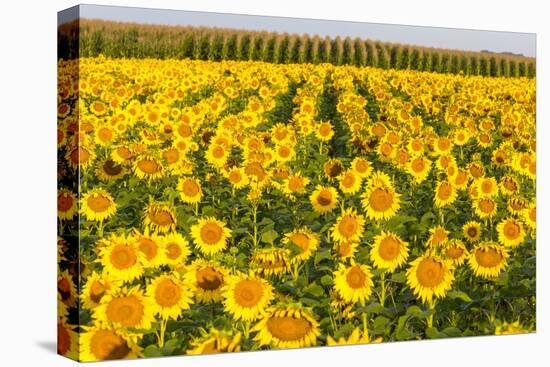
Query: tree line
[[141, 41]]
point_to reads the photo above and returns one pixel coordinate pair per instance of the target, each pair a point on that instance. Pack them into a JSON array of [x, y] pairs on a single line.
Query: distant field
[[114, 39]]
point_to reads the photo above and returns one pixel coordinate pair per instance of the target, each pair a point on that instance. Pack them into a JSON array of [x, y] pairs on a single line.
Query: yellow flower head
[[353, 283], [348, 227], [429, 277], [389, 251], [287, 326], [210, 235], [247, 296], [97, 205]]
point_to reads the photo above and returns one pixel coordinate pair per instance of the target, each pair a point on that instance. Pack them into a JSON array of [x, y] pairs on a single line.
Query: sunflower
[[150, 246], [97, 205], [510, 328], [510, 232], [169, 296], [216, 341], [210, 235], [509, 185], [460, 179], [97, 285], [176, 249], [305, 239], [66, 289], [257, 174], [485, 207], [353, 283], [121, 259], [348, 226], [246, 296], [80, 156], [109, 170], [100, 343], [67, 340], [217, 155], [389, 251], [287, 326], [160, 217], [125, 308], [148, 167], [472, 231], [455, 251], [445, 194], [355, 337], [237, 177], [487, 186], [284, 152], [349, 182], [66, 204], [419, 168], [295, 184], [380, 200], [488, 259], [443, 145], [429, 276], [530, 216], [271, 261], [324, 199], [122, 155], [190, 190], [324, 131], [207, 279], [333, 168], [517, 204], [361, 166], [438, 236], [345, 249]]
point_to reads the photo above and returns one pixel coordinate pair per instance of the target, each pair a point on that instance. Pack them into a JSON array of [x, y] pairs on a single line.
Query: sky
[[450, 38]]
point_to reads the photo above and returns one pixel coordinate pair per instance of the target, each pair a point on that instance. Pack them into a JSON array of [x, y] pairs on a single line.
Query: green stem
[[364, 317], [163, 324], [382, 289], [430, 320], [100, 229], [254, 215]]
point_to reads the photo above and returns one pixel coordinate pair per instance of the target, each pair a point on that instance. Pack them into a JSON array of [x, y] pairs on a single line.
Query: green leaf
[[452, 331], [309, 301], [152, 351], [344, 331], [416, 312], [380, 323], [401, 332], [460, 295], [269, 236], [326, 280], [433, 333], [373, 308], [322, 255], [170, 346], [400, 277], [315, 289]]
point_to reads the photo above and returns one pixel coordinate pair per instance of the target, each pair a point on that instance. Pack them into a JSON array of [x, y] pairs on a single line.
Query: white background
[[28, 182]]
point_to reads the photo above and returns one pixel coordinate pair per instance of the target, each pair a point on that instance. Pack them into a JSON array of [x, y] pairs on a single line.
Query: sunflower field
[[208, 207]]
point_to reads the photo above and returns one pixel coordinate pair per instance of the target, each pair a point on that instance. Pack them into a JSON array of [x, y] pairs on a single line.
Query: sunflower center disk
[[356, 278], [211, 233], [380, 200], [430, 273], [248, 293], [288, 328]]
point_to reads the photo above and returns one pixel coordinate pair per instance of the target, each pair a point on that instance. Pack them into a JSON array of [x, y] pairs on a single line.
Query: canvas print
[[233, 183]]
